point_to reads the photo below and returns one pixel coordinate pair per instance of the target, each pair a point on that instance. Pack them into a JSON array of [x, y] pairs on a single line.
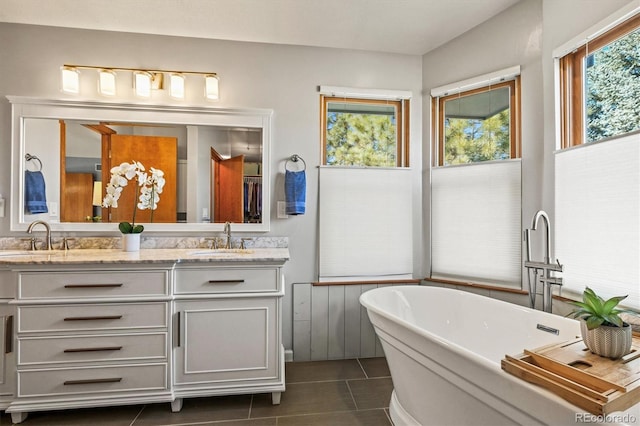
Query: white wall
[[252, 75], [512, 38]]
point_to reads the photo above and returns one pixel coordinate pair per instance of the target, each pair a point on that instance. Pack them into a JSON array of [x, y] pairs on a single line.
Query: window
[[364, 180], [365, 132], [478, 125], [475, 200], [597, 185], [600, 86]]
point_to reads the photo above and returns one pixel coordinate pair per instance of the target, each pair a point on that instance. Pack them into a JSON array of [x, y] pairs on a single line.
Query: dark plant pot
[[606, 341]]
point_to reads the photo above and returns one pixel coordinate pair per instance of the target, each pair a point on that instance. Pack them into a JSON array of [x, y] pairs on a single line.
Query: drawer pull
[[104, 348], [92, 381], [93, 285], [8, 334], [97, 318], [225, 281]]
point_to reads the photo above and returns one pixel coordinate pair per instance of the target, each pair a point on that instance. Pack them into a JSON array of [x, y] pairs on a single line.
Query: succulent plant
[[596, 311]]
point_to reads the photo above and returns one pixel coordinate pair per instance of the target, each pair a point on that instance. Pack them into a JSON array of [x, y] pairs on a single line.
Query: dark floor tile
[[102, 416], [375, 367], [371, 393], [317, 371], [346, 418], [270, 421], [305, 398], [197, 410]]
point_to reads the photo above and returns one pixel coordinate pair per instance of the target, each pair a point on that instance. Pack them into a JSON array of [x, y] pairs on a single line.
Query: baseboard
[[288, 355]]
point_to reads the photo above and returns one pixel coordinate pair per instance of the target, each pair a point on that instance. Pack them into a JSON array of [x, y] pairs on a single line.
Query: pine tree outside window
[[477, 125], [600, 87], [364, 132]]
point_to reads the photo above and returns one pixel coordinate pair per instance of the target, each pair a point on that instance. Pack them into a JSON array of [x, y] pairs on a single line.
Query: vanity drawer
[[92, 284], [115, 347], [210, 280], [69, 381], [104, 316]]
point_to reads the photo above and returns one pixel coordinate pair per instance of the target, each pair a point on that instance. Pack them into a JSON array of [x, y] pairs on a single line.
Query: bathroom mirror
[[216, 162]]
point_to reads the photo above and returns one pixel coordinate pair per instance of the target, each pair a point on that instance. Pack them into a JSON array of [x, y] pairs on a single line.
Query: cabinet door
[[227, 341], [7, 357]]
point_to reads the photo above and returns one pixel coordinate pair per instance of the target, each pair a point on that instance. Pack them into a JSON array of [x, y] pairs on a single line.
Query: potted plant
[[603, 331], [150, 186]]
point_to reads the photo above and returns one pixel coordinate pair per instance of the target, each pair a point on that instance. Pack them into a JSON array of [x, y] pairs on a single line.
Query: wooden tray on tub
[[596, 384]]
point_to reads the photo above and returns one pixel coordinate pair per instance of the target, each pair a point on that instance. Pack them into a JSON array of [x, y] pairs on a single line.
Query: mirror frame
[[24, 108]]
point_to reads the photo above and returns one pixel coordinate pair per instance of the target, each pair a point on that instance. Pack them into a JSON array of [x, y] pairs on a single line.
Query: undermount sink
[[220, 252]]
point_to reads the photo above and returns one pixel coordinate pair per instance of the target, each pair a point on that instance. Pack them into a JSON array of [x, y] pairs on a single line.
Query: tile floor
[[335, 393]]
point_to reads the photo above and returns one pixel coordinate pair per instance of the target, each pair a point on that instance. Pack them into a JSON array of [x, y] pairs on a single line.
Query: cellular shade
[[476, 223], [597, 198], [365, 224]]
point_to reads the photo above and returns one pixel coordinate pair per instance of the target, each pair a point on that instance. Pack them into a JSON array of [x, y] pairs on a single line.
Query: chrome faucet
[[542, 271], [534, 226], [227, 233], [47, 229]]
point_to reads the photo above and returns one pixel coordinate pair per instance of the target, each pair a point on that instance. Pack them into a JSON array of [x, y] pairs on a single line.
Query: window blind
[[597, 198], [476, 223], [365, 224]]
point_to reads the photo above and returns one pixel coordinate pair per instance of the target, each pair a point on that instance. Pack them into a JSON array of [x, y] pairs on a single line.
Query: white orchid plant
[[150, 187]]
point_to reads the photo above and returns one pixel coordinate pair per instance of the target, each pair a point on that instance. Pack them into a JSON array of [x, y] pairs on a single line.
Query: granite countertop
[[92, 256]]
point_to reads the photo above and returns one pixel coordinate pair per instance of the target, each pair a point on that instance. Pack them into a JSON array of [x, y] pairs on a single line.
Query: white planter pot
[[609, 342], [131, 242]]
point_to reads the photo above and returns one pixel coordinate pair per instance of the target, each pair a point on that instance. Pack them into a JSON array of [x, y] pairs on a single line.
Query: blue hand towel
[[295, 189], [35, 199]]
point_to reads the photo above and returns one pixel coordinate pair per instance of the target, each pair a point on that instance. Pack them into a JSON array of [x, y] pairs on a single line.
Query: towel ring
[[29, 157], [294, 159]]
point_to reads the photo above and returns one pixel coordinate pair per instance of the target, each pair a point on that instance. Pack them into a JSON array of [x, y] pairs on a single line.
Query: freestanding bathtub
[[444, 349]]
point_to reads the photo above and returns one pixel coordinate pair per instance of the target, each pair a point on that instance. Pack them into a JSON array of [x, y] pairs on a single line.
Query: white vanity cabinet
[[89, 336], [228, 337], [106, 327]]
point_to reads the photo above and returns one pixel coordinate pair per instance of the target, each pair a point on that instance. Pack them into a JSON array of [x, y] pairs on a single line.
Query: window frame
[[402, 108], [438, 118], [571, 82]]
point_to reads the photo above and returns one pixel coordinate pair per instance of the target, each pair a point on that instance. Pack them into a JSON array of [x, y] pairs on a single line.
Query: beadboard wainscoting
[[329, 323]]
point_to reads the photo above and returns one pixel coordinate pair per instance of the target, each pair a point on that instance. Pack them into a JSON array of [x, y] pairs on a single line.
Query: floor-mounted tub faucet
[[534, 226], [543, 272]]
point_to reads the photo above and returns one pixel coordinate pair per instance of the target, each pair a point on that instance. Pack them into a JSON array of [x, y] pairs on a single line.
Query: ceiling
[[400, 26]]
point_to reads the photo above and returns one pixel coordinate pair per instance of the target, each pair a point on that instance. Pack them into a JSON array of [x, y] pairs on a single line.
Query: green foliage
[[595, 311], [613, 89], [474, 140], [361, 140], [128, 228]]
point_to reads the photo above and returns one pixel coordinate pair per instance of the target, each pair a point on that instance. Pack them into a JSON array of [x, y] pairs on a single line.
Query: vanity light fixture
[[70, 79], [176, 86], [211, 87], [144, 81], [107, 82], [142, 84]]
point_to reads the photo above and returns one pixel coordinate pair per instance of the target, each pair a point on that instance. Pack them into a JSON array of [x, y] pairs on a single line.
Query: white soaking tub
[[444, 349]]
